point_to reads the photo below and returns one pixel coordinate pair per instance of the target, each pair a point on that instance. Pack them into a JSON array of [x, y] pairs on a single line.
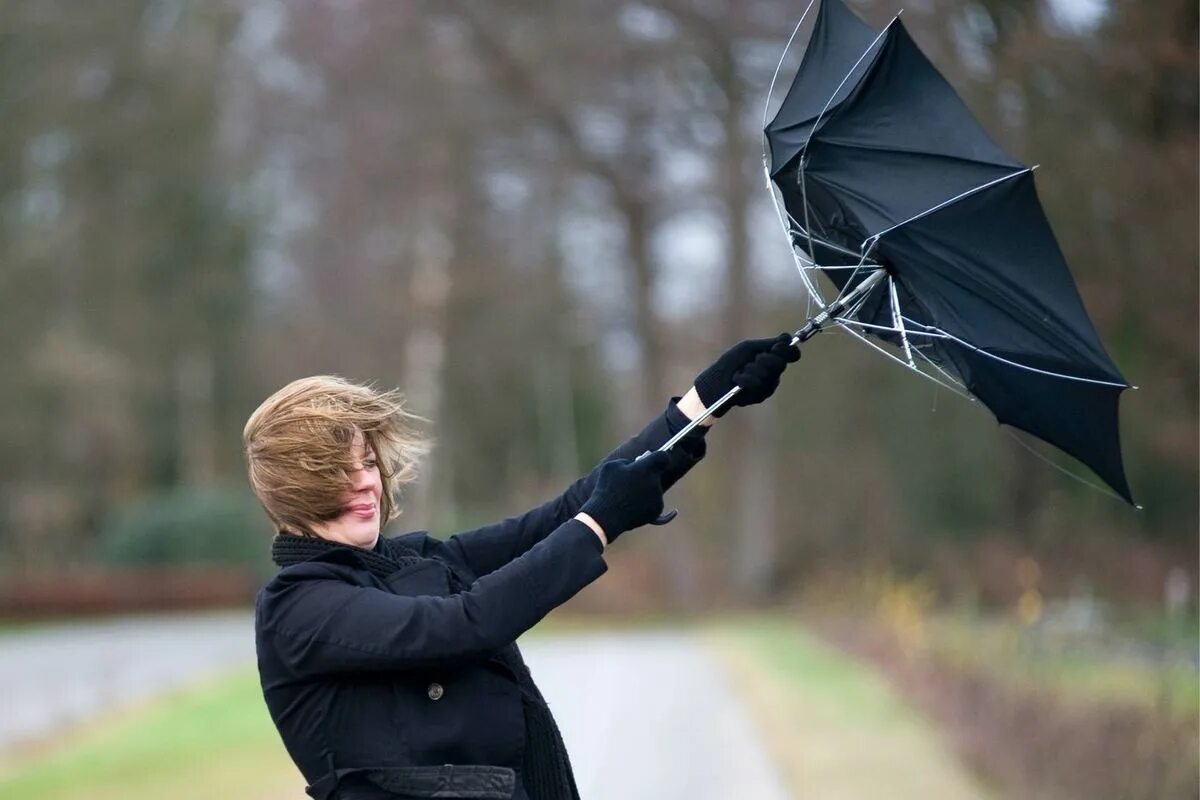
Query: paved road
[[650, 715], [645, 715], [63, 674]]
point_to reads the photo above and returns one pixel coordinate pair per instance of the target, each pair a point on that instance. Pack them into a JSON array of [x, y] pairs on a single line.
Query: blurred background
[[541, 221]]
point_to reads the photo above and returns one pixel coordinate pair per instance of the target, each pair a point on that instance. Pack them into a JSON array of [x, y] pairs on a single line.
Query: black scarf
[[546, 768]]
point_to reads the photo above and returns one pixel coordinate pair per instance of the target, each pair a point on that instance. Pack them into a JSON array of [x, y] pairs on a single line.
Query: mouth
[[362, 510]]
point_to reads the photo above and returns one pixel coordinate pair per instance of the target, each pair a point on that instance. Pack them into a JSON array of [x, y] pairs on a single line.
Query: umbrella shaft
[[810, 329], [708, 412], [814, 325]]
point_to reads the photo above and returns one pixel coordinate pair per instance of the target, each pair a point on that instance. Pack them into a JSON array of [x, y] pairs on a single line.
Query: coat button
[[435, 691]]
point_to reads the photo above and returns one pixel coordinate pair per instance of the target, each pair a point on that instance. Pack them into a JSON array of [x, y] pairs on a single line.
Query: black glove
[[628, 494], [753, 364]]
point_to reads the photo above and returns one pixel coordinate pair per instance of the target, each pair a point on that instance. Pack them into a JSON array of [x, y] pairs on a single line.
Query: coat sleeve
[[320, 626], [491, 546]]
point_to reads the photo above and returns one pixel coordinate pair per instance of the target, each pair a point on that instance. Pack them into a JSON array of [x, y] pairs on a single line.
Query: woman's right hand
[[628, 494], [755, 365]]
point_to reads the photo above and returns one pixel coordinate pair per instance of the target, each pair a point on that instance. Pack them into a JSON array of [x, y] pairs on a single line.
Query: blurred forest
[[541, 220]]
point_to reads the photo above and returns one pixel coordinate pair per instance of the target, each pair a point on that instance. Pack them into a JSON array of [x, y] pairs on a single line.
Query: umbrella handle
[[666, 517]]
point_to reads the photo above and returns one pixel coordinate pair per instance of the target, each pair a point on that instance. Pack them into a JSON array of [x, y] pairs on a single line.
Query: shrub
[[188, 526]]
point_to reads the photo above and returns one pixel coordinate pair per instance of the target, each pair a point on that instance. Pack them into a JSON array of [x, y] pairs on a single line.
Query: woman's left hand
[[753, 364]]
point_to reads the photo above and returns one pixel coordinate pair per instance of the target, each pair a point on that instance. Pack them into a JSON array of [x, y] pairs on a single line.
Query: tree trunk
[[749, 438], [638, 229], [196, 420], [424, 363]]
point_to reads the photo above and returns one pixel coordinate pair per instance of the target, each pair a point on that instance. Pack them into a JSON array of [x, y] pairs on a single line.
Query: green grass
[[213, 740], [835, 726], [8, 626]]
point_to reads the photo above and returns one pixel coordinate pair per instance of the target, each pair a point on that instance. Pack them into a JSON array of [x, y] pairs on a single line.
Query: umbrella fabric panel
[[904, 143], [988, 270], [838, 40], [830, 219], [880, 189], [1079, 418], [902, 103]]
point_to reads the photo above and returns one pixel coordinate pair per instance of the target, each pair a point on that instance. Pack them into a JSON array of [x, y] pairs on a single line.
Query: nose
[[362, 476]]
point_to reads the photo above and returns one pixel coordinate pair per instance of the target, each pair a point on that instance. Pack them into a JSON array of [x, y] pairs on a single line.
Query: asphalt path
[[57, 676], [644, 715], [651, 716]]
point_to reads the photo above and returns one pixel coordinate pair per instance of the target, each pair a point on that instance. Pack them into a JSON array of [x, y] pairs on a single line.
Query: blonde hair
[[297, 446]]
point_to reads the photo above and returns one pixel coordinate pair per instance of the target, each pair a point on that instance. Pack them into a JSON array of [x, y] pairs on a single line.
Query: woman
[[389, 664]]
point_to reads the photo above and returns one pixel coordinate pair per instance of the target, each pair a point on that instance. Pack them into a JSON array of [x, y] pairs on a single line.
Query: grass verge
[[834, 726], [212, 740]]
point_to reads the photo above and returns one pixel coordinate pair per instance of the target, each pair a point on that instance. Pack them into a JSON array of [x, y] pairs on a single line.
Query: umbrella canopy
[[880, 165]]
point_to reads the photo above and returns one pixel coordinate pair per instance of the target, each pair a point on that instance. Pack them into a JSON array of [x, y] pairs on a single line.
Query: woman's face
[[359, 523]]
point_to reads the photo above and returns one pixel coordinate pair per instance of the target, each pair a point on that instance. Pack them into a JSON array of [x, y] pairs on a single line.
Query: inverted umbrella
[[934, 240]]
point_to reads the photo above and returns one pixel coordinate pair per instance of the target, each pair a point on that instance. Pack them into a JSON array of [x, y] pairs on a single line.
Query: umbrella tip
[[1034, 167], [1135, 388], [1139, 507]]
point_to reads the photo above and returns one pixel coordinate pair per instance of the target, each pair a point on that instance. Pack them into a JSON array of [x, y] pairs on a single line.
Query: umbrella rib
[[1032, 320], [898, 319], [779, 66], [817, 123], [804, 151], [950, 387], [823, 242], [852, 145], [1018, 364], [886, 329], [957, 388], [875, 237], [779, 212], [846, 286], [945, 374], [809, 287], [812, 253], [1099, 487]]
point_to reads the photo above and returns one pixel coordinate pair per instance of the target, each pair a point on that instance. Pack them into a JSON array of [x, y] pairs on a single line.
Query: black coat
[[362, 673]]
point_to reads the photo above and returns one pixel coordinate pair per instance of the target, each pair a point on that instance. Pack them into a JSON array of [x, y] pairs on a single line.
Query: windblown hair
[[297, 446]]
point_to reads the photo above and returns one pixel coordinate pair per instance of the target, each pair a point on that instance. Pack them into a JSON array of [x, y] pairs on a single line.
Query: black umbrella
[[881, 166], [935, 240]]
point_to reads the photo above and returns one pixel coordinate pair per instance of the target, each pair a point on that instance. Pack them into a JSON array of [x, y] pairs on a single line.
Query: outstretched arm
[[491, 546], [319, 624], [315, 622], [754, 365]]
